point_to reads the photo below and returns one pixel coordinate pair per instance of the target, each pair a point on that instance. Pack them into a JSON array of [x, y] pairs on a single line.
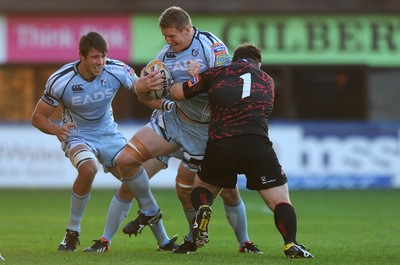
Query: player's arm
[[176, 92], [164, 104], [188, 89], [41, 120]]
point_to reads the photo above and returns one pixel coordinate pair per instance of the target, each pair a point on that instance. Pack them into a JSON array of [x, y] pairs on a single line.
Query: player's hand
[[193, 68], [64, 131], [147, 83]]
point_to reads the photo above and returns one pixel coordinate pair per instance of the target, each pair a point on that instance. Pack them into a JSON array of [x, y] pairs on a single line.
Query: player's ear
[[188, 28]]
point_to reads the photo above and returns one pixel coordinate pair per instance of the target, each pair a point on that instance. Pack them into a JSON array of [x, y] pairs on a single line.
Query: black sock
[[286, 222], [201, 196]]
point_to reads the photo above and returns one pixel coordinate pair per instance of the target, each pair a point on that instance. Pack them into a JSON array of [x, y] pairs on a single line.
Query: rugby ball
[[157, 65]]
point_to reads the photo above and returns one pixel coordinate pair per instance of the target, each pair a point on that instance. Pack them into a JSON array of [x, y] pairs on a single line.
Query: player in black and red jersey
[[241, 97]]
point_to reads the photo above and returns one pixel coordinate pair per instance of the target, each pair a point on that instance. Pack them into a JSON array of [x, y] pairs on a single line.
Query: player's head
[[248, 52], [174, 17], [176, 27], [92, 41], [93, 49]]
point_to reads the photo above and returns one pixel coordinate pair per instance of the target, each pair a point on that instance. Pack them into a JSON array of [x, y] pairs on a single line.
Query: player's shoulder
[[63, 75], [207, 37], [113, 64], [116, 66], [213, 45], [67, 69]]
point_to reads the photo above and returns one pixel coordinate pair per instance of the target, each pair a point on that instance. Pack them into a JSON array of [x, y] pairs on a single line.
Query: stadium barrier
[[318, 155]]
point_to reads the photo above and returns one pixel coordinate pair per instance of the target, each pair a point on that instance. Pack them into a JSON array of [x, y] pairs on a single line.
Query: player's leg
[[145, 144], [119, 209], [265, 174], [202, 198], [85, 162], [277, 199], [183, 186], [235, 211], [153, 166]]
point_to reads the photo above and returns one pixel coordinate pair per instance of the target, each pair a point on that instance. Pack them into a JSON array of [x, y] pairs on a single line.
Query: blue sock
[[140, 186], [77, 208], [236, 215], [190, 215], [160, 233], [118, 210]]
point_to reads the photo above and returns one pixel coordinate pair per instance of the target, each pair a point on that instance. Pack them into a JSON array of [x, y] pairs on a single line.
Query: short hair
[[174, 17], [247, 51], [92, 41]]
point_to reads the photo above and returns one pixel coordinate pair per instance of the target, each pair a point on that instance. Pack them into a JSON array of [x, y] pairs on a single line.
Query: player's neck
[[85, 74]]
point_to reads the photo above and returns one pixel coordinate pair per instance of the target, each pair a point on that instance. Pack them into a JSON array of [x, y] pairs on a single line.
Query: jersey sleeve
[[221, 54], [55, 85], [50, 96]]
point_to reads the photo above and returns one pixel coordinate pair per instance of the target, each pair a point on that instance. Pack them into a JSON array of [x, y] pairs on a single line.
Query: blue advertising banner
[[333, 155]]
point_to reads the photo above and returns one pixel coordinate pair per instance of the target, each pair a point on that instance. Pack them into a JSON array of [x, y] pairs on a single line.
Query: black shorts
[[251, 155]]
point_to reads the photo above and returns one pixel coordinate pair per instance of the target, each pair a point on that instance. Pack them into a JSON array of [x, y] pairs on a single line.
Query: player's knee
[[88, 170], [183, 190], [133, 155]]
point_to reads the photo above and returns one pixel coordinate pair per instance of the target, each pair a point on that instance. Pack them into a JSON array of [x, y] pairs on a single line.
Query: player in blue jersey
[[188, 51], [88, 134], [241, 100]]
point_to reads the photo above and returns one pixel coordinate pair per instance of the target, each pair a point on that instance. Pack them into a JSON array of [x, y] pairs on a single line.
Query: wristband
[[167, 104]]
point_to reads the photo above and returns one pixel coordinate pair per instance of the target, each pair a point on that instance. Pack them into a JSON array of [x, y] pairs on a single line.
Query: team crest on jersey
[[103, 81], [195, 51]]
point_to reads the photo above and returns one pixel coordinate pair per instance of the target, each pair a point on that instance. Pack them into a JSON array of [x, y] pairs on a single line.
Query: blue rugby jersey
[[210, 52], [87, 104]]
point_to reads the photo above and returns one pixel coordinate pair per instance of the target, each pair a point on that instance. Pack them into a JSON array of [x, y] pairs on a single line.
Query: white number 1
[[246, 85]]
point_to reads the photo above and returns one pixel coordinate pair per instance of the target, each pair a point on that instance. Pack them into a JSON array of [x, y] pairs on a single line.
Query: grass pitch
[[340, 227]]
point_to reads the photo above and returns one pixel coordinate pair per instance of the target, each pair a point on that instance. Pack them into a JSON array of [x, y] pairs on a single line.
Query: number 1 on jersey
[[246, 85]]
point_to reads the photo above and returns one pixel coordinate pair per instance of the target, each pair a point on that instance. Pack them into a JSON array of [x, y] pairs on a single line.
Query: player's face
[[92, 64], [179, 40]]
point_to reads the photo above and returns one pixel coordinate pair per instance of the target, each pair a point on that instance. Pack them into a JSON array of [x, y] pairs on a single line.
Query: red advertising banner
[[55, 38]]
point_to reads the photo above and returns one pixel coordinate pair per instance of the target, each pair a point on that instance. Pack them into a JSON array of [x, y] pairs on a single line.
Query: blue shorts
[[106, 145], [191, 137]]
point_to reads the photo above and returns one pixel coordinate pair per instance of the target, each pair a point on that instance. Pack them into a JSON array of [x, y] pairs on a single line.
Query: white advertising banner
[[30, 158], [329, 156]]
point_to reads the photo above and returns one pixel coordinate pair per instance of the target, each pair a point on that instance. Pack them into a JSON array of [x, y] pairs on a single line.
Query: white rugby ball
[[157, 65]]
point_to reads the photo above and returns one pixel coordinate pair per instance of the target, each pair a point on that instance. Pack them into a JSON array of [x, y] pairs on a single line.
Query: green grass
[[340, 227]]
